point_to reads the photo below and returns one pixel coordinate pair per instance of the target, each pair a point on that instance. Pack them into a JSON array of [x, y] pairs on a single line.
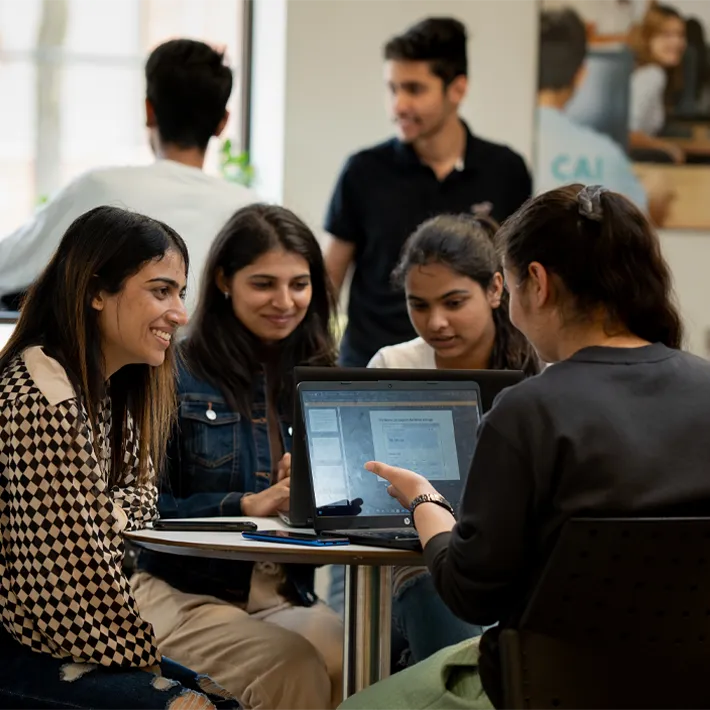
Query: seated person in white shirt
[[568, 152], [188, 86], [457, 302], [453, 284]]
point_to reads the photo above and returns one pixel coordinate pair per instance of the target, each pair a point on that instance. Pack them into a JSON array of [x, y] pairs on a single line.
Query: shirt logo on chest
[[482, 209]]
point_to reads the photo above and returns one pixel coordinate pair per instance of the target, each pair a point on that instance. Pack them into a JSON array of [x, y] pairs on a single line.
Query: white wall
[[688, 254], [319, 96], [699, 9]]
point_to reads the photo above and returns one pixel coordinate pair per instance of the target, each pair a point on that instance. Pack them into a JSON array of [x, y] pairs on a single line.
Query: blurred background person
[[566, 150], [659, 43], [188, 85], [434, 165]]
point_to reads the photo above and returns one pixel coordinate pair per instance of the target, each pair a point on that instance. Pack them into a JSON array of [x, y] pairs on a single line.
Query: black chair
[[620, 618]]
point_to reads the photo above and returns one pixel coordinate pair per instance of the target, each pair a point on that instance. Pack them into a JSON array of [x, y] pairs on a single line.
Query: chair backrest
[[620, 618], [602, 101]]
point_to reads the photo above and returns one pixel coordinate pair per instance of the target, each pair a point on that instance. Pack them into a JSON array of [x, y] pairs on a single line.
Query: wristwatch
[[430, 498]]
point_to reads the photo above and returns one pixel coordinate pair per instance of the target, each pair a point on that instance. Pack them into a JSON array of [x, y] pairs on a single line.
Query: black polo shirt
[[382, 195]]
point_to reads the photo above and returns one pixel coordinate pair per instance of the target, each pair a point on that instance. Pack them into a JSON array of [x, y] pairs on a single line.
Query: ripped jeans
[[36, 680]]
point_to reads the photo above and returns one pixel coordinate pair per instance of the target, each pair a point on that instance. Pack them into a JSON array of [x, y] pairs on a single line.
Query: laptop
[[425, 426], [490, 382]]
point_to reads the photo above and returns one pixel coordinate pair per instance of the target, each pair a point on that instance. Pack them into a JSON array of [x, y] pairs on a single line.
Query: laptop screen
[[428, 429]]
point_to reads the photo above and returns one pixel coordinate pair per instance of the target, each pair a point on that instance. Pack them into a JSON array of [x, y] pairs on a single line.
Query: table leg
[[368, 626]]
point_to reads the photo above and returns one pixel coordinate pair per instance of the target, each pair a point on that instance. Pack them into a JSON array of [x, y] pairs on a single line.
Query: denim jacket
[[215, 456]]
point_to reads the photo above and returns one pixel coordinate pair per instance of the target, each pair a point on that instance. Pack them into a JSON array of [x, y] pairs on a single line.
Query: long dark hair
[[606, 254], [220, 349], [464, 244], [99, 251], [640, 38]]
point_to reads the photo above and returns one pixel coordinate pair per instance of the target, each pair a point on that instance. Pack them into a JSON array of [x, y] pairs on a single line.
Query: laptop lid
[[428, 427], [490, 382]]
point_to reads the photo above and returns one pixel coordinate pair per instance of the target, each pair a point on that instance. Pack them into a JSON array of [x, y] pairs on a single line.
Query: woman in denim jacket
[[264, 307]]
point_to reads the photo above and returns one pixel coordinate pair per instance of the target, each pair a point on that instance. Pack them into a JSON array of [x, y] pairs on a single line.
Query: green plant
[[235, 166]]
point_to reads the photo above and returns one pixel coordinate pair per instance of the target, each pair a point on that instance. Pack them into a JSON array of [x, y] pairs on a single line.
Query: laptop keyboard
[[404, 534]]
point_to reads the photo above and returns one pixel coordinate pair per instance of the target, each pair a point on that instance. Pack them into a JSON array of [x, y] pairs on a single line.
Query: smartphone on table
[[189, 525], [295, 538]]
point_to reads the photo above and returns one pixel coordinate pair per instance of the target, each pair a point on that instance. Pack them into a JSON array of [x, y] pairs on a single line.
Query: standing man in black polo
[[435, 165]]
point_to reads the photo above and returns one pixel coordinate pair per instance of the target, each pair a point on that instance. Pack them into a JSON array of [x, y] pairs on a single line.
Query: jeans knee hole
[[70, 672], [162, 683], [212, 687], [190, 700]]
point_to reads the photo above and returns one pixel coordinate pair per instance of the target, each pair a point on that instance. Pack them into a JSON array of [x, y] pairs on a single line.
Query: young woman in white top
[[659, 44], [453, 283]]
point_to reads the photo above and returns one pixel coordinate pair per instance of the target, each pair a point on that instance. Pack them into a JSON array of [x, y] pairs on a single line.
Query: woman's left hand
[[405, 485]]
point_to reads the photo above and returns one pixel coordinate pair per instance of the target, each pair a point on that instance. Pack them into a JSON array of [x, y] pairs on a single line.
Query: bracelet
[[430, 498]]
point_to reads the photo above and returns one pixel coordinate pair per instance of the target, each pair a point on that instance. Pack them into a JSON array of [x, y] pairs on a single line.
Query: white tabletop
[[233, 546]]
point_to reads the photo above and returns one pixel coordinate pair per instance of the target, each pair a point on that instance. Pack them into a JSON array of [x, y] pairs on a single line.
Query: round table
[[368, 584]]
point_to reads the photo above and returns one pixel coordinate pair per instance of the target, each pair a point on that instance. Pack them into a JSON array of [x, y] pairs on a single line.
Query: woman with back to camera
[[264, 307], [659, 44], [453, 283], [591, 291], [87, 401]]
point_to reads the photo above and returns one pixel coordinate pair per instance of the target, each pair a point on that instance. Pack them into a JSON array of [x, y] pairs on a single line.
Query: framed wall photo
[[624, 101]]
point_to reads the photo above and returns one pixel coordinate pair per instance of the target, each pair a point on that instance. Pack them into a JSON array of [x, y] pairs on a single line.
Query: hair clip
[[590, 203]]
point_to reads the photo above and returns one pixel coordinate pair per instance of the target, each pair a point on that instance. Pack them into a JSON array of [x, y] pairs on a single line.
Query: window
[[71, 78]]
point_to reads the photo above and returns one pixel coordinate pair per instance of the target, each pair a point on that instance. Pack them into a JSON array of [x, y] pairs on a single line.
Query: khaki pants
[[271, 655]]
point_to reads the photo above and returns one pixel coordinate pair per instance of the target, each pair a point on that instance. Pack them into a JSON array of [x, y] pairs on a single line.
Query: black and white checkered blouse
[[63, 590]]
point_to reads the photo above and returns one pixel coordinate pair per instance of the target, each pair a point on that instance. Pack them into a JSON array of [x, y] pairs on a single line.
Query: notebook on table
[[426, 426], [490, 382]]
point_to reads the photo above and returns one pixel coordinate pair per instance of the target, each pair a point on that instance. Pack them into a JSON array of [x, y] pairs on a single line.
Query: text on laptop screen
[[430, 432]]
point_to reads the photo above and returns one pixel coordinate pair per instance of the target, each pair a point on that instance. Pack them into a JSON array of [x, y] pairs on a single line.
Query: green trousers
[[448, 680]]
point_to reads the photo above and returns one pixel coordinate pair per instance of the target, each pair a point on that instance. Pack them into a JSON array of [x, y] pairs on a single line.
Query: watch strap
[[430, 498]]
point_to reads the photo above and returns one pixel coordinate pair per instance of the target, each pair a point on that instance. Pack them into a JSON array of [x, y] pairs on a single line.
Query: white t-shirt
[[412, 355], [647, 113], [194, 204], [568, 152]]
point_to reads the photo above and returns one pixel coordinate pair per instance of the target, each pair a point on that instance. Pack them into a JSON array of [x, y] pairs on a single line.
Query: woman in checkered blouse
[[86, 406]]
